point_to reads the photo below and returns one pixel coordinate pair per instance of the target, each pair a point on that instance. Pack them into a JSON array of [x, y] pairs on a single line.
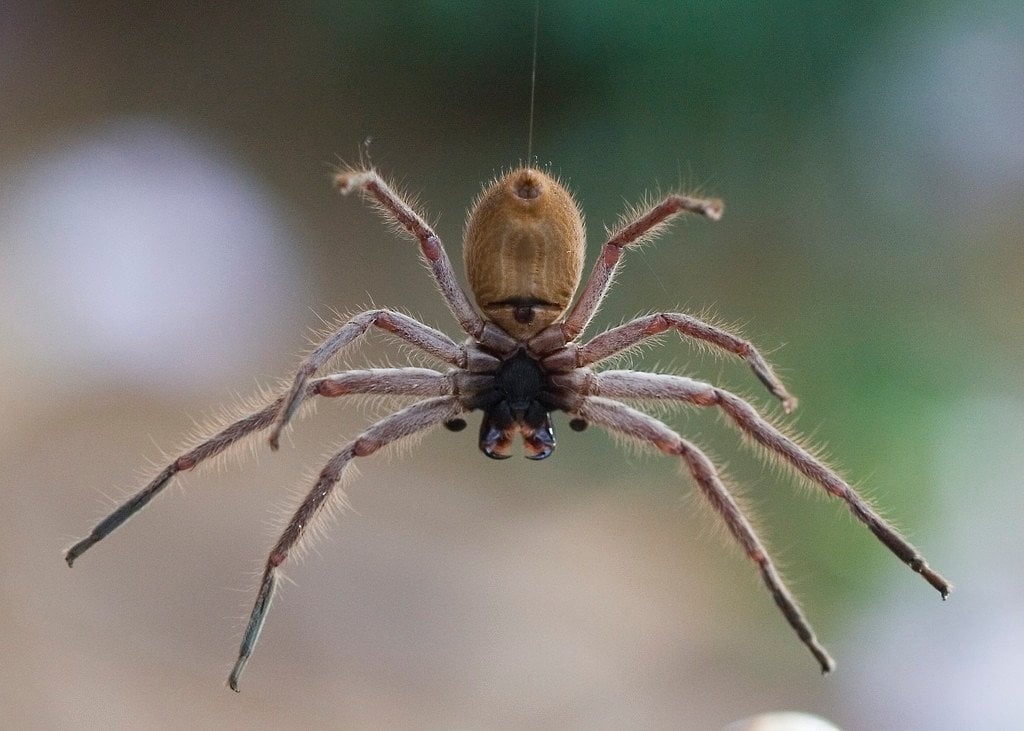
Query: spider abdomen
[[524, 251]]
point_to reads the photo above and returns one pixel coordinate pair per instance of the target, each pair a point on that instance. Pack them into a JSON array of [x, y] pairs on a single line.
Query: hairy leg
[[399, 381], [633, 232], [625, 336], [395, 208], [623, 419], [411, 331], [409, 420], [653, 386]]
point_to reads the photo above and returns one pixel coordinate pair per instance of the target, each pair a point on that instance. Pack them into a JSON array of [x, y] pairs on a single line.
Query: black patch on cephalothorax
[[519, 400]]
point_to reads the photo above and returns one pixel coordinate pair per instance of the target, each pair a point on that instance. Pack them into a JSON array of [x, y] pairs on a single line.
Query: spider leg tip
[[347, 180], [937, 581], [236, 673], [342, 183], [72, 554]]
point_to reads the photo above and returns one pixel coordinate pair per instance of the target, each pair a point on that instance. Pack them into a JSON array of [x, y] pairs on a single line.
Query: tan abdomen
[[524, 251]]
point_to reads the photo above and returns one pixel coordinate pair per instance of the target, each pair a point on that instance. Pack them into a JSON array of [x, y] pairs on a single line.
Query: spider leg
[[399, 381], [411, 331], [409, 420], [384, 382], [399, 211], [632, 384], [623, 419], [635, 231], [625, 336]]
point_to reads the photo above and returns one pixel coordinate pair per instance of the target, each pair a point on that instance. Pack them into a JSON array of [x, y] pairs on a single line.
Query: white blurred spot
[[140, 251], [783, 721]]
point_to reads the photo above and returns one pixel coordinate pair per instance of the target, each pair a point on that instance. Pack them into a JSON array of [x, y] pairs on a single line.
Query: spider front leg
[[411, 331], [395, 208], [399, 211], [380, 381], [629, 234], [406, 422], [625, 420], [655, 386], [625, 336]]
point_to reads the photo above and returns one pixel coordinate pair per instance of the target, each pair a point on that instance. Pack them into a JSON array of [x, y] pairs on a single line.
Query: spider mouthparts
[[494, 442], [540, 442]]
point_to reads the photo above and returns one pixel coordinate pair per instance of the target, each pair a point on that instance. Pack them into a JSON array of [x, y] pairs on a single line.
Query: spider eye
[[455, 424]]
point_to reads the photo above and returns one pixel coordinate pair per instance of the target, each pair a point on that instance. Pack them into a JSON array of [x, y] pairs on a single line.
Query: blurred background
[[169, 241]]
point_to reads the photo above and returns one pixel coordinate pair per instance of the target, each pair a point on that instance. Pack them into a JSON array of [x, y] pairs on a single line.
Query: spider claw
[[821, 655], [540, 442], [284, 418], [495, 441], [827, 667], [539, 447], [497, 449], [78, 549], [936, 580]]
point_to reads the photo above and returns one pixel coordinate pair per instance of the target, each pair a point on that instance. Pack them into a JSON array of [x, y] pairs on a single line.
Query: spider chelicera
[[524, 249]]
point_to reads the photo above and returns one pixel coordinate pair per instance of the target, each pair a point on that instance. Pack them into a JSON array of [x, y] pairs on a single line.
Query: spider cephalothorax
[[524, 256], [516, 399]]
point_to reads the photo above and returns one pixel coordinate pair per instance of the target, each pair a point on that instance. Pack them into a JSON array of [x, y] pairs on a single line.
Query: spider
[[524, 247]]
